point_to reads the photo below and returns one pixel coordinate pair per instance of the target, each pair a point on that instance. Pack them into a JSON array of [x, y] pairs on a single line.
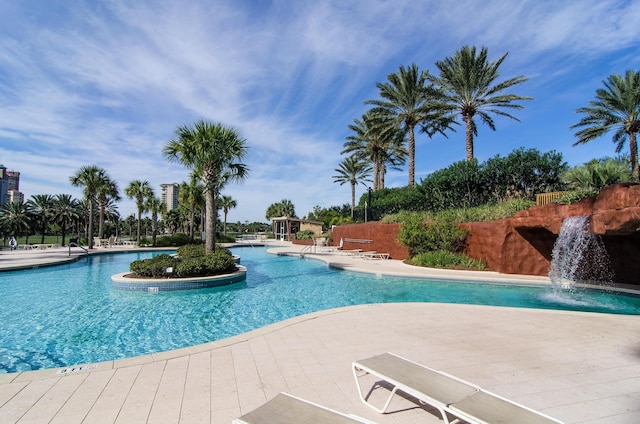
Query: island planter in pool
[[123, 282]]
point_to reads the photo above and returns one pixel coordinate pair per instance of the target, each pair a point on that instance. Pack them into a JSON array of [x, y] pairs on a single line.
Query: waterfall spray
[[579, 256]]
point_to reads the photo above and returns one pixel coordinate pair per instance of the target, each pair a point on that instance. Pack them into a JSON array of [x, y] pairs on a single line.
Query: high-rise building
[[169, 195], [9, 186]]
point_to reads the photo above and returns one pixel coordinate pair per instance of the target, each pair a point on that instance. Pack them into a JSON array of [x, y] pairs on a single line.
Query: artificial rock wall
[[523, 244]]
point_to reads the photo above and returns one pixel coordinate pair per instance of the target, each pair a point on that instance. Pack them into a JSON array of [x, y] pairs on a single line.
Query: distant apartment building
[[9, 186], [169, 195]]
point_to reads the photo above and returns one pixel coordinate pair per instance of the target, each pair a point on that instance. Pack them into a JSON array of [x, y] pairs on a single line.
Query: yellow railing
[[546, 198]]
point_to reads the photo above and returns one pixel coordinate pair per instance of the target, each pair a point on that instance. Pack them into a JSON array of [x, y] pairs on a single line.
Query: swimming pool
[[69, 314]]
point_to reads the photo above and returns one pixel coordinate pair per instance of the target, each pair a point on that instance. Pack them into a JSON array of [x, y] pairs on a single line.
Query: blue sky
[[108, 82]]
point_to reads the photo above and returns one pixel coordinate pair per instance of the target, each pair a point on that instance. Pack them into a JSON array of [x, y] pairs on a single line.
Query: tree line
[[211, 150]]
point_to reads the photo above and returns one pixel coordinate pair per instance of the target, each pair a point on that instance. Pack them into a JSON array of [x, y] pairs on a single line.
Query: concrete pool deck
[[577, 367]]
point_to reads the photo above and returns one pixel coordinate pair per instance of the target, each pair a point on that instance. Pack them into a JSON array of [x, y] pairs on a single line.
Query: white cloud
[[108, 83]]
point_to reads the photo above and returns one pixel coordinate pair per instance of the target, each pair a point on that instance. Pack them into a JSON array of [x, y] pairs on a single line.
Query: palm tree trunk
[[191, 223], [139, 227], [63, 228], [633, 156], [468, 136], [210, 231], [412, 157], [154, 228], [44, 229], [90, 230], [353, 197], [224, 228], [101, 221]]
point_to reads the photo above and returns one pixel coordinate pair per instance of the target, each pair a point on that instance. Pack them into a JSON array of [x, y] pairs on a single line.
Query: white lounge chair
[[450, 395], [288, 409]]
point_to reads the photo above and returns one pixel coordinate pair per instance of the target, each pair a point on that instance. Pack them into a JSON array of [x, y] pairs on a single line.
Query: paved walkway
[[577, 367]]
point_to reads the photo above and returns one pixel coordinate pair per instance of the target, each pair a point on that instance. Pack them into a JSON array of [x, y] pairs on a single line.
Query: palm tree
[[108, 190], [91, 178], [172, 220], [64, 212], [140, 191], [226, 203], [352, 171], [406, 103], [214, 151], [380, 144], [596, 174], [468, 87], [155, 206], [191, 197], [16, 218], [616, 108], [41, 206], [283, 208]]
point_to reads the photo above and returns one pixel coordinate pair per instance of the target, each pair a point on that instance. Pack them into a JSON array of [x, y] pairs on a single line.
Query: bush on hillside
[[445, 259]]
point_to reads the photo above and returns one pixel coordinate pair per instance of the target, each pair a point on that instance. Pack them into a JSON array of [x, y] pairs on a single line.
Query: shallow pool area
[[69, 314]]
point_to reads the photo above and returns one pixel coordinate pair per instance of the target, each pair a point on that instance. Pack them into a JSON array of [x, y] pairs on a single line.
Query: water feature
[[579, 256]]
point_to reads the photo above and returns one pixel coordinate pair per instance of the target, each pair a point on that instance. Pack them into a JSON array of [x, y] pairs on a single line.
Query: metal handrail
[[77, 245], [308, 248]]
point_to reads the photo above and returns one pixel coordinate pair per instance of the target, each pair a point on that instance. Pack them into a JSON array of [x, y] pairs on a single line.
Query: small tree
[[352, 171], [226, 203], [140, 191]]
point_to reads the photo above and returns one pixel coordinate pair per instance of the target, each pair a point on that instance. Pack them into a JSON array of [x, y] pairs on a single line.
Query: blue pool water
[[69, 314]]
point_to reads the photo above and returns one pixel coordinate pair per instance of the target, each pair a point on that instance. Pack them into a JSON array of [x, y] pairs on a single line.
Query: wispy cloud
[[108, 82]]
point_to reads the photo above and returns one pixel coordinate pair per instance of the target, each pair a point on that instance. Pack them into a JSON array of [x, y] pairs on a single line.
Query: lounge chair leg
[[364, 399]]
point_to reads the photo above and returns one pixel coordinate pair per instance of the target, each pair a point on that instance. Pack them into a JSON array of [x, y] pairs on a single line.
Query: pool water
[[69, 314]]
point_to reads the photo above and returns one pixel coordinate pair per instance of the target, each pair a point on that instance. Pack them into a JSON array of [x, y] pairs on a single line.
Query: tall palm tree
[[616, 108], [375, 141], [226, 203], [91, 178], [65, 211], [155, 206], [16, 219], [107, 191], [352, 171], [406, 102], [140, 191], [215, 152], [468, 88], [41, 206]]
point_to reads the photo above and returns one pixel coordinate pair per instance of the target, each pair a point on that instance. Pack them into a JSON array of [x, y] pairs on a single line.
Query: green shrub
[[444, 235], [190, 262], [155, 267], [219, 262], [413, 232], [420, 233], [576, 195], [191, 251], [177, 239], [445, 259], [305, 235]]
